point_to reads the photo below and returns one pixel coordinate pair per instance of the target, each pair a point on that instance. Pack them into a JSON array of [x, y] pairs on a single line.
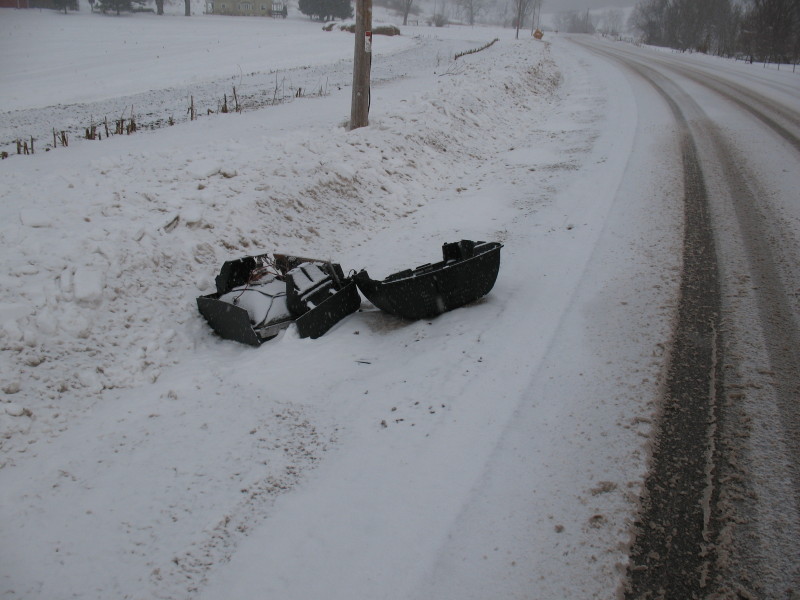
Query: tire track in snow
[[734, 553], [777, 117], [532, 539], [762, 376], [737, 95], [671, 550]]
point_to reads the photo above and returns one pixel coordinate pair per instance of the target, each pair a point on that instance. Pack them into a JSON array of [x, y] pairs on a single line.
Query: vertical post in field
[[362, 61]]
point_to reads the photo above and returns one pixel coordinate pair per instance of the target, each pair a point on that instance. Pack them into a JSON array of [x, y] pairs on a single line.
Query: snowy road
[[497, 451], [726, 473]]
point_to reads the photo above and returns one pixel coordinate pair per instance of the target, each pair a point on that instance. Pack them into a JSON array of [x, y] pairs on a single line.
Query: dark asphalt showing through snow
[[703, 530]]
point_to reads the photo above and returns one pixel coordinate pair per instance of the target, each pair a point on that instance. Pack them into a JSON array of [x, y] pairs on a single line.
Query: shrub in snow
[[389, 30]]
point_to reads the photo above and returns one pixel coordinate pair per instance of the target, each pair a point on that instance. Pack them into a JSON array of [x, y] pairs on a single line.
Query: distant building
[[14, 4], [243, 8]]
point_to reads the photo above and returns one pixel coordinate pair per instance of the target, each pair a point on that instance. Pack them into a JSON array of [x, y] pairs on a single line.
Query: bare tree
[[574, 22], [766, 30], [406, 4], [471, 9], [612, 21], [648, 19], [187, 8], [772, 29], [66, 4], [536, 13], [522, 7], [796, 35], [724, 21]]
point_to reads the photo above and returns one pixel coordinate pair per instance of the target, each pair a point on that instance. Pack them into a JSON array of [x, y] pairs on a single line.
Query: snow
[[306, 276], [386, 459], [265, 303], [88, 286], [150, 52], [34, 218], [495, 451]]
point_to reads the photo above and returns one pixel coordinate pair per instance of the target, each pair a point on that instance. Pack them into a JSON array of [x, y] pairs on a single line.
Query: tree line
[[759, 30], [326, 10]]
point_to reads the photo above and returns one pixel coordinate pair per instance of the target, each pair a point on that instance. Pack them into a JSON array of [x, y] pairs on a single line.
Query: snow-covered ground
[[495, 451]]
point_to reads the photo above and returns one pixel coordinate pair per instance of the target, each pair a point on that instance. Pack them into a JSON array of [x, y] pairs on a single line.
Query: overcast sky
[[554, 6]]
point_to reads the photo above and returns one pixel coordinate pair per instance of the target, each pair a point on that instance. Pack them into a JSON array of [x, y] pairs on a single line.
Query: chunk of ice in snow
[[47, 322], [31, 217], [11, 330], [65, 281], [344, 170], [192, 216], [78, 326], [15, 410], [203, 168], [104, 164], [13, 311], [11, 387], [89, 380], [88, 285]]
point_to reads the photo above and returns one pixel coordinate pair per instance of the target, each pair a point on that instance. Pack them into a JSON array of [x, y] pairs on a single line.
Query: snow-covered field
[[496, 451]]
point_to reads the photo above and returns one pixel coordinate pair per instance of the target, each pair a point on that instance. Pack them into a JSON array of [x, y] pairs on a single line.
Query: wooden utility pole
[[362, 62]]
